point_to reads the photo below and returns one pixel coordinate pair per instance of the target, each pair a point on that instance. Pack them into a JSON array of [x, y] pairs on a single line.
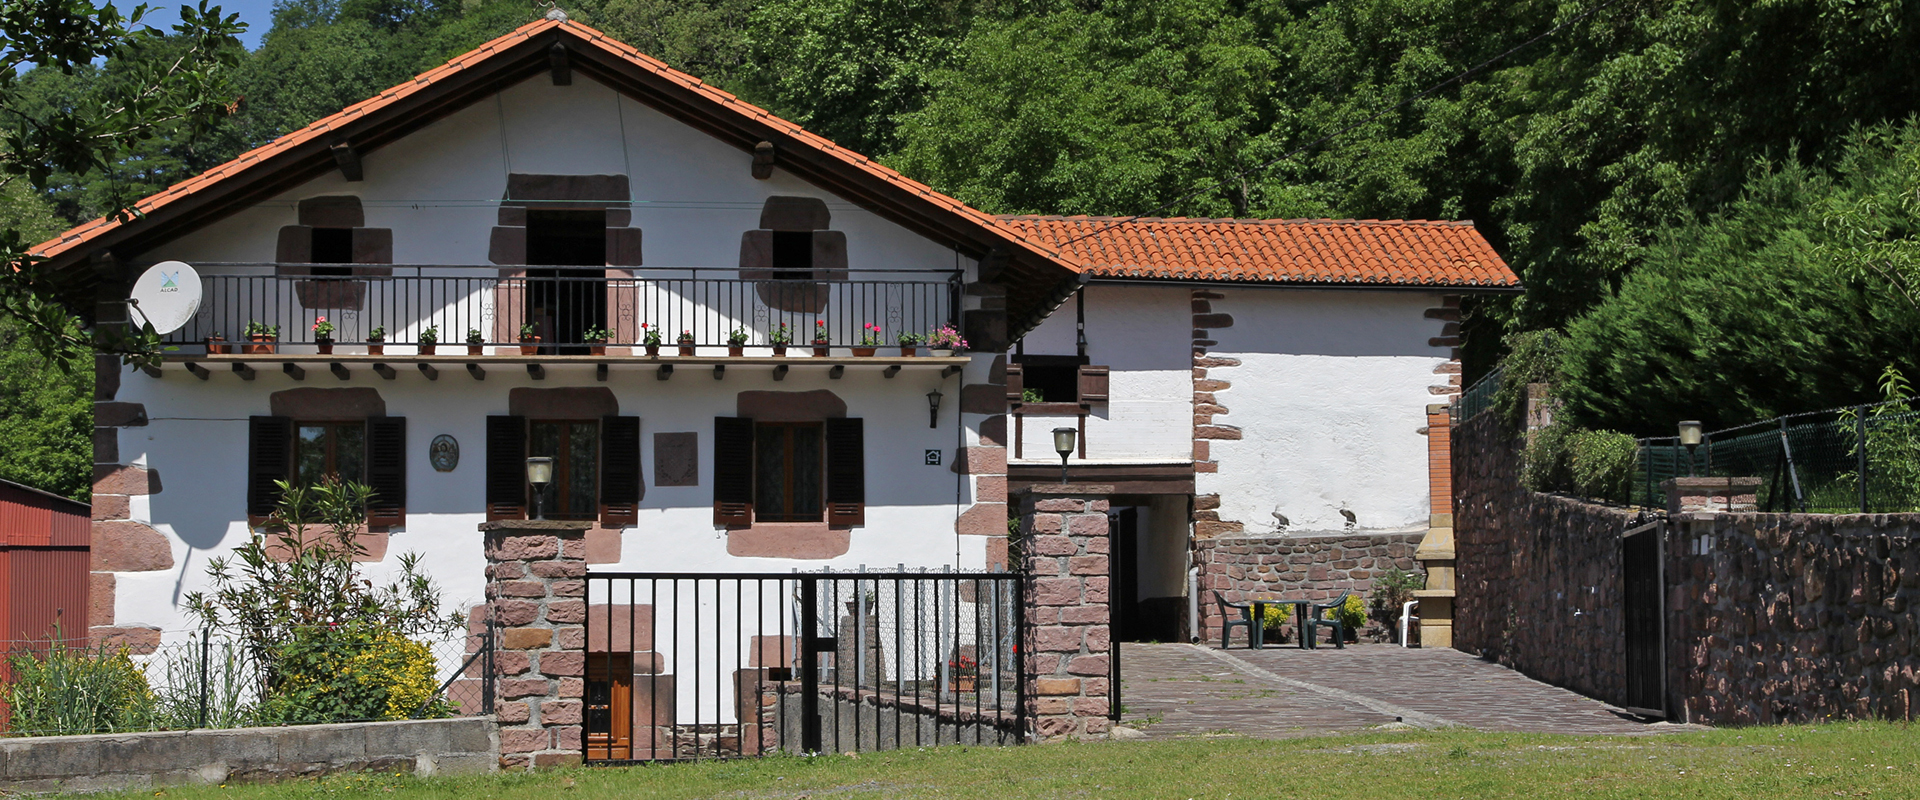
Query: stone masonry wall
[[1770, 617], [1315, 568], [536, 595], [1067, 639]]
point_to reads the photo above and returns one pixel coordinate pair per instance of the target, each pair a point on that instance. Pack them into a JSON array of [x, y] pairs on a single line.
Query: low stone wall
[[107, 762], [1769, 617], [1315, 568], [865, 720]]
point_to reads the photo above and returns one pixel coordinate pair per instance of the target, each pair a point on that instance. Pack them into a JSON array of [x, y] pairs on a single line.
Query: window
[[574, 447], [788, 465], [569, 301], [329, 448], [793, 255], [332, 246]]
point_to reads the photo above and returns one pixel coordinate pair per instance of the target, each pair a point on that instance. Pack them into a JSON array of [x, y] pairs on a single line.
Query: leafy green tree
[[46, 407]]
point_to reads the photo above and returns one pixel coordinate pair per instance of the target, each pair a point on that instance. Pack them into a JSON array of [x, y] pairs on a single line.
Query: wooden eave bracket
[[763, 160], [557, 64], [348, 160]]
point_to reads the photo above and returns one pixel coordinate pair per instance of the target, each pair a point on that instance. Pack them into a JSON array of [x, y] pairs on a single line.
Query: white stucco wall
[[1143, 334]]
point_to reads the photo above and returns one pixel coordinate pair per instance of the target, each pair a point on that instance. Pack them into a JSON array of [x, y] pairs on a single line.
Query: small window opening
[[1050, 379], [332, 246], [792, 255]]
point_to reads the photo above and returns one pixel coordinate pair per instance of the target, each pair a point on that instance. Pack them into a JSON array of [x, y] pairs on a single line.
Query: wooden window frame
[[760, 429], [562, 469], [332, 445]]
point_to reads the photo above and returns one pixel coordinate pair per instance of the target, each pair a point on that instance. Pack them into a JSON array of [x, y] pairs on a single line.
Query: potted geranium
[[217, 344], [909, 344], [377, 340], [822, 343], [476, 344], [596, 339], [737, 342], [650, 336], [323, 335], [260, 338], [529, 341], [945, 341], [963, 674], [780, 337], [686, 343], [429, 340], [869, 341]]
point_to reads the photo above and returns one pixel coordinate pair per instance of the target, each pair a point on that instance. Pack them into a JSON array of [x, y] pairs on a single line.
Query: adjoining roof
[[1030, 269], [1409, 253]]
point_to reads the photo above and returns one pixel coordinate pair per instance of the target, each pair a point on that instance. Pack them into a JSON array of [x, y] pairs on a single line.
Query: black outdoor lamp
[[933, 408], [1063, 444], [1690, 436], [539, 474]]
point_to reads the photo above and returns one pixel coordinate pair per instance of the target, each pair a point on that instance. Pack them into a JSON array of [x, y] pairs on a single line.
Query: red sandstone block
[[560, 663], [1088, 665], [1087, 565], [535, 687], [511, 713], [571, 638], [1097, 639], [1070, 504], [1097, 590], [513, 613], [524, 740], [511, 763], [573, 687], [1043, 524], [559, 569], [1099, 726], [1050, 706], [523, 548], [1056, 687], [1080, 615], [1054, 727], [560, 712], [574, 549], [1063, 639], [1056, 591], [574, 611], [1043, 664], [1096, 544], [1087, 525], [1093, 687], [1090, 706], [518, 588], [1053, 546], [512, 663], [1044, 615], [567, 738], [569, 588], [506, 571]]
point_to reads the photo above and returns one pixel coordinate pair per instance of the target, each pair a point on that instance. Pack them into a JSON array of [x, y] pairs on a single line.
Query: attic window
[[332, 246]]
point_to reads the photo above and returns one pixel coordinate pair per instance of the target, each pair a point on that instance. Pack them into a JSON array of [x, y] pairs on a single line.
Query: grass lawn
[[1844, 760]]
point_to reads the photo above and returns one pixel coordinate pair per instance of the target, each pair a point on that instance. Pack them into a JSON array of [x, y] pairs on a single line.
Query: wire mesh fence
[[1862, 459], [1477, 398], [208, 680]]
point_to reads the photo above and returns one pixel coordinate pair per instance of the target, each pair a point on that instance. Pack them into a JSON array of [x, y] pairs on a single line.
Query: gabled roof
[[1032, 271], [1369, 252]]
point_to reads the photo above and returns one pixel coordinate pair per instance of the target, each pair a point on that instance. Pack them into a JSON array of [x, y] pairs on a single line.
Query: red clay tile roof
[[1311, 251], [86, 232]]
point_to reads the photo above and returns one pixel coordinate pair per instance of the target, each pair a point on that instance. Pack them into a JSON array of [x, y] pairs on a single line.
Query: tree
[[156, 85], [46, 409]]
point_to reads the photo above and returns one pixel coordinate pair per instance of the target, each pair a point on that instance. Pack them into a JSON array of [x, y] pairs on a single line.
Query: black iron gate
[[685, 666], [1643, 602]]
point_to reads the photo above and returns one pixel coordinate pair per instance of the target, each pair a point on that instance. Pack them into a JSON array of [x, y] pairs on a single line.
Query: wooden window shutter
[[620, 478], [387, 470], [1093, 384], [269, 459], [1016, 383], [846, 472], [733, 471], [506, 467]]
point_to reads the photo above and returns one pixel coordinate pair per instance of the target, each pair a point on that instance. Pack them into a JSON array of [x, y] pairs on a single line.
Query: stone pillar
[[1065, 654], [537, 597], [1711, 495], [1435, 554]]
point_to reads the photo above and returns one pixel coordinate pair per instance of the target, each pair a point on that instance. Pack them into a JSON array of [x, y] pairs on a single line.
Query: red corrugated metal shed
[[44, 542]]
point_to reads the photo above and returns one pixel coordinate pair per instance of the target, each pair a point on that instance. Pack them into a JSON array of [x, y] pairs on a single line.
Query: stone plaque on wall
[[676, 459]]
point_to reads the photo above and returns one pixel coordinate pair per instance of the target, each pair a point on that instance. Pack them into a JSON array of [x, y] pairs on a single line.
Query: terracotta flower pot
[[376, 347], [217, 347], [822, 348], [653, 351], [736, 350], [530, 347], [909, 350], [779, 350], [427, 349], [325, 345], [476, 349], [597, 349], [686, 350], [258, 345], [864, 352]]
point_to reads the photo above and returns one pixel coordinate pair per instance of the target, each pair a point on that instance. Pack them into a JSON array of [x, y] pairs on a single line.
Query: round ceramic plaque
[[444, 453]]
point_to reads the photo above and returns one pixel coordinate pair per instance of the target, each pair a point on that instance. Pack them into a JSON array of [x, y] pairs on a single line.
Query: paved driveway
[[1185, 690]]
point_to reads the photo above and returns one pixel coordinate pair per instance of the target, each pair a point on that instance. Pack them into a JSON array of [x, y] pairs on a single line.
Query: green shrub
[[349, 673], [1391, 590], [74, 689], [1532, 357], [1352, 614], [1543, 466], [1587, 463], [1274, 617]]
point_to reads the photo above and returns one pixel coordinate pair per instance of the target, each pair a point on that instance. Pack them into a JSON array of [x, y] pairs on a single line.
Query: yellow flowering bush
[[348, 673]]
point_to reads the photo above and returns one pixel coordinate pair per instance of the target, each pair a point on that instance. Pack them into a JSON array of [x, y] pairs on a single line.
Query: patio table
[[1258, 608]]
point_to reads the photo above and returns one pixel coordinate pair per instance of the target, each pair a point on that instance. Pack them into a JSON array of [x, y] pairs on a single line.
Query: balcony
[[484, 310]]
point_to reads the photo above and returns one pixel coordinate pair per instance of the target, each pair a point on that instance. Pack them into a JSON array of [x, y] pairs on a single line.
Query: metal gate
[[1643, 605], [685, 666]]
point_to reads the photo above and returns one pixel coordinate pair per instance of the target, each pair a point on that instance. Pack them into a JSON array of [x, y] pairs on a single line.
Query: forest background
[[1715, 202]]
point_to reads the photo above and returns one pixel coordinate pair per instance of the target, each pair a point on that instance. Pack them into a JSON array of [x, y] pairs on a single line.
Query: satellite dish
[[167, 296]]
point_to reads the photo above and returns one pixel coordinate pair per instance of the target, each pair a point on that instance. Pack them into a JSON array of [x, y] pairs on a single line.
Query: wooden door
[[609, 707]]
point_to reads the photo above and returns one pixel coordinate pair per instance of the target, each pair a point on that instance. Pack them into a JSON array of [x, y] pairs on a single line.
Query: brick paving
[[1172, 690]]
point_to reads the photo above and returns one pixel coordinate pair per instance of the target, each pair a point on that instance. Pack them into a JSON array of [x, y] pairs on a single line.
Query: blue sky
[[258, 14]]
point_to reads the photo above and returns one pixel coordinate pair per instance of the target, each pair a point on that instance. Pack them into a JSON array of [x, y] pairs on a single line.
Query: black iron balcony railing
[[562, 310]]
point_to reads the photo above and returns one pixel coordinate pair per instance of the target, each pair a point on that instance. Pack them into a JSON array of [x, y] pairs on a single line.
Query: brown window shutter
[[1093, 384], [269, 459], [846, 472], [387, 470], [506, 467], [733, 471], [1016, 383], [620, 489]]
